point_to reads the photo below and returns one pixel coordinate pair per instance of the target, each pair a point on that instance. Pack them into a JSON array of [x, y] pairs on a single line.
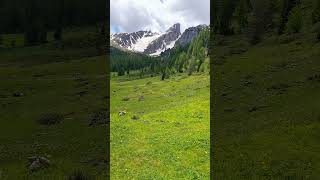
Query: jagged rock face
[[165, 40], [126, 40], [188, 35]]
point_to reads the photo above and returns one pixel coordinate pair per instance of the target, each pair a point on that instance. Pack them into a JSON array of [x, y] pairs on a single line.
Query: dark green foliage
[[294, 24], [316, 11], [35, 18], [192, 66], [258, 19], [197, 50], [241, 14], [287, 6], [120, 71], [261, 20], [223, 12], [123, 62]]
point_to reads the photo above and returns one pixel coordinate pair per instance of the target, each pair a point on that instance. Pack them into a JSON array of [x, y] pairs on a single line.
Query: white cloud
[[157, 15]]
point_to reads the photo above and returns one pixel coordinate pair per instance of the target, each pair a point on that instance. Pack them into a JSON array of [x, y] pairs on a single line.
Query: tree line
[[123, 62], [258, 17], [35, 18]]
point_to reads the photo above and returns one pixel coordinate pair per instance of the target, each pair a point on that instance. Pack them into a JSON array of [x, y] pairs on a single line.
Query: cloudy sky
[[157, 15]]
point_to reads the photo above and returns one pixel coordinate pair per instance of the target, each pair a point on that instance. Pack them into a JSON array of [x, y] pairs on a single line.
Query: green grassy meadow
[[165, 133], [266, 114], [50, 79]]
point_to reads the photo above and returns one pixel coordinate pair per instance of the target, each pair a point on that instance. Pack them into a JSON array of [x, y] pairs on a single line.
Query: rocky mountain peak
[[174, 28], [188, 35]]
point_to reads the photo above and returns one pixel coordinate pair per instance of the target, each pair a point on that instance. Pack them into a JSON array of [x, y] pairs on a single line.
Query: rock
[[37, 162], [145, 122], [122, 113], [141, 98], [125, 99], [190, 95], [134, 117], [188, 35], [126, 40], [165, 39]]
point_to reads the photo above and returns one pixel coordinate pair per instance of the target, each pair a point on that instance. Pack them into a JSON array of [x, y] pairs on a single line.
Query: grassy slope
[[52, 80], [170, 140], [266, 109]]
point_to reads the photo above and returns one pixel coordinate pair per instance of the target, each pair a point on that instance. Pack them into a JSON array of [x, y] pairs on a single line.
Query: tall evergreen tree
[[287, 6]]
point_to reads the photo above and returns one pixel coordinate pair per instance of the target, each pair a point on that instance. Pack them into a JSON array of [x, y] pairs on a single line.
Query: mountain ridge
[[154, 43]]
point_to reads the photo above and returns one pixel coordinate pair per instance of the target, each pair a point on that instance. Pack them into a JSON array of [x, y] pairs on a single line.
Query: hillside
[[53, 102], [266, 107], [265, 89]]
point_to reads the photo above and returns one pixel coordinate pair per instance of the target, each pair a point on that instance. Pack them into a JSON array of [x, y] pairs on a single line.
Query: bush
[[295, 21]]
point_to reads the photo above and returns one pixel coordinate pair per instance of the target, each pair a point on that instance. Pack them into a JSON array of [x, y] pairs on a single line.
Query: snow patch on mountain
[[164, 47], [143, 43]]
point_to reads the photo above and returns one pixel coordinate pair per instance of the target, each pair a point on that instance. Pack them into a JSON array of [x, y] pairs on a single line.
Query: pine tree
[[242, 12], [287, 6], [261, 19]]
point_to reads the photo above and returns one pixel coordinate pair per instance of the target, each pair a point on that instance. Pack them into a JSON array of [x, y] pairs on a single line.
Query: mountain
[[153, 43], [188, 35], [147, 42], [135, 41], [165, 41]]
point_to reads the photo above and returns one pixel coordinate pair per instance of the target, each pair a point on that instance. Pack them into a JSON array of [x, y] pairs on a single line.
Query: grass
[[266, 108], [68, 84], [165, 134]]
